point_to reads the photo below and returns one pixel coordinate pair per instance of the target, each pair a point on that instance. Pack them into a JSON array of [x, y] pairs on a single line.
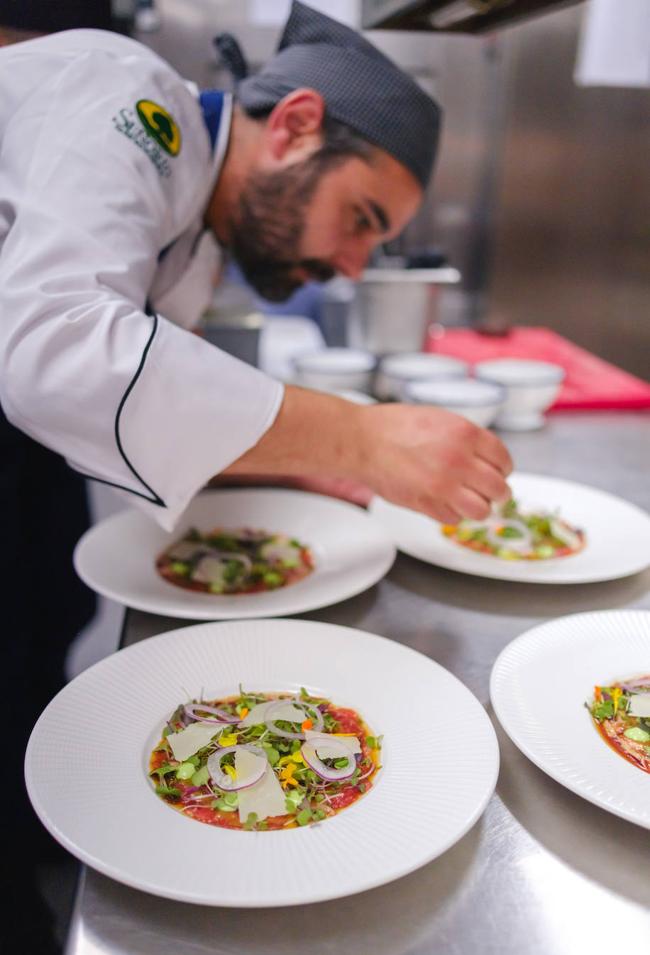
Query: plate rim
[[122, 876], [521, 743], [377, 502], [208, 614]]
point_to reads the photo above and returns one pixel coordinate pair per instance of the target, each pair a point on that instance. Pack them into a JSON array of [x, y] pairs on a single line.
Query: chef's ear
[[294, 127]]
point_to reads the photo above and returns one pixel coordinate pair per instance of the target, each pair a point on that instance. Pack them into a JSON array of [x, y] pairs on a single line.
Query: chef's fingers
[[494, 451], [443, 513], [488, 481], [470, 504]]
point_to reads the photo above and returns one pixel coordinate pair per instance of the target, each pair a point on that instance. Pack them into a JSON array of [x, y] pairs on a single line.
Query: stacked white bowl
[[398, 370], [335, 369], [531, 387], [510, 393], [478, 401]]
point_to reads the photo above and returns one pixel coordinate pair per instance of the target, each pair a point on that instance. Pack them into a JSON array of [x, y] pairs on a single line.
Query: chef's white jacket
[[105, 264]]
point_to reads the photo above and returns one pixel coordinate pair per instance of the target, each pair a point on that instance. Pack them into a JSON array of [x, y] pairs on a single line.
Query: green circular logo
[[160, 125]]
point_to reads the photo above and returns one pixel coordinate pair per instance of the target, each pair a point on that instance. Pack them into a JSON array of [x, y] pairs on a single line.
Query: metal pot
[[393, 308]]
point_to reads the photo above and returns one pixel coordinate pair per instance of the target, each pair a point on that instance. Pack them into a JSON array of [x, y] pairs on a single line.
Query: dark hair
[[339, 140]]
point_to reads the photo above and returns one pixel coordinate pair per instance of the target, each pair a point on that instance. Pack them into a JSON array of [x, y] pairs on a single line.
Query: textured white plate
[[539, 684], [86, 764], [618, 535], [351, 550]]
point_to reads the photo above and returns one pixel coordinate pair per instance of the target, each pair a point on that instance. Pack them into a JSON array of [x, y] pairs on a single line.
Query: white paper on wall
[[275, 12], [614, 48]]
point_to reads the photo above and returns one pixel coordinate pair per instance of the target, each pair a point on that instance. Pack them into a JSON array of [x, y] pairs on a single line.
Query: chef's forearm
[[313, 433], [424, 458]]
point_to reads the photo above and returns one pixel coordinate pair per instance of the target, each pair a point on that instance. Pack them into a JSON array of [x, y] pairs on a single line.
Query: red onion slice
[[227, 783], [311, 713], [331, 773], [222, 716]]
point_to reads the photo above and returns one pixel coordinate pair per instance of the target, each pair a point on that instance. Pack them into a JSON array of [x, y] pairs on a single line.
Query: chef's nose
[[352, 260]]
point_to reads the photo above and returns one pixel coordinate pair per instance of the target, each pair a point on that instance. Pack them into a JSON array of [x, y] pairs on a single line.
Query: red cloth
[[590, 382]]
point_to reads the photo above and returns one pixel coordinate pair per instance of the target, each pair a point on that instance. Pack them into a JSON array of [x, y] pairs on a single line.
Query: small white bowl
[[478, 401], [396, 370], [531, 386], [335, 369]]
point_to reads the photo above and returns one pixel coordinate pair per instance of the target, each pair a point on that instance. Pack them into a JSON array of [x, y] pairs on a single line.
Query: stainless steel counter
[[543, 872]]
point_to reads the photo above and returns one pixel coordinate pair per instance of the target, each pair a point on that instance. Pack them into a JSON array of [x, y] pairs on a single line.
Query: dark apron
[[43, 513]]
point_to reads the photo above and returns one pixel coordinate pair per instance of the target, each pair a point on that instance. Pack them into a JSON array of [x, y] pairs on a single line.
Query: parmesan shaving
[[266, 797], [191, 739], [640, 705], [288, 712]]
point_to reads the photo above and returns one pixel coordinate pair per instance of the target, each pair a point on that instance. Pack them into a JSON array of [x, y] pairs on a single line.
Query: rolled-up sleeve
[[126, 396]]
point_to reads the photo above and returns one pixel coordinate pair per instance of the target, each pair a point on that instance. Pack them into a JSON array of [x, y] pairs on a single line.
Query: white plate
[[618, 535], [539, 684], [351, 552], [86, 764]]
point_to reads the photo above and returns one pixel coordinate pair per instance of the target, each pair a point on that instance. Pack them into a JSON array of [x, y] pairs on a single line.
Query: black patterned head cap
[[361, 87]]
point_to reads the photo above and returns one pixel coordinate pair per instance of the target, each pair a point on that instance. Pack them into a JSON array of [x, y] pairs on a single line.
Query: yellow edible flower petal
[[291, 758], [289, 782], [229, 740], [231, 771]]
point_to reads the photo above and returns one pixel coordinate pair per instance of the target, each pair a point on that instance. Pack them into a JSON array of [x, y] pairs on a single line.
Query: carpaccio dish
[[264, 761], [239, 561], [621, 714], [511, 533]]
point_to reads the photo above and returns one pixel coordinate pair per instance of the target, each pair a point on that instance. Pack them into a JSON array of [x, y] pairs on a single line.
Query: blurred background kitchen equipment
[[531, 387], [478, 401], [465, 16], [283, 338], [335, 369], [394, 371], [394, 307], [233, 321], [236, 329]]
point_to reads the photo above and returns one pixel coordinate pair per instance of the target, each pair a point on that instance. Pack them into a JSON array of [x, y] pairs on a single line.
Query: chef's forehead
[[361, 88]]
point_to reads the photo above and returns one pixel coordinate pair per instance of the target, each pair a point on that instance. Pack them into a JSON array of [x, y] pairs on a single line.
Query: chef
[[116, 177], [120, 185]]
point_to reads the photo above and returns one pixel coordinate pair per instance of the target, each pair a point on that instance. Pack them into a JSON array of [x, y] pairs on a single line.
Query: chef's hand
[[423, 458], [433, 461]]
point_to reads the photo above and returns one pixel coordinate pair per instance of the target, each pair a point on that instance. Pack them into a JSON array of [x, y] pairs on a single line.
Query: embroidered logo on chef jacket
[[160, 125], [153, 130]]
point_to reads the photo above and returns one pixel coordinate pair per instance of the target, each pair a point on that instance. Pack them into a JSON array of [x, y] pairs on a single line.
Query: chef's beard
[[266, 236]]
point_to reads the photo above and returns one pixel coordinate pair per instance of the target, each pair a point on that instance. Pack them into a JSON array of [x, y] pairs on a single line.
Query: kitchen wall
[[572, 226], [542, 191], [541, 195]]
